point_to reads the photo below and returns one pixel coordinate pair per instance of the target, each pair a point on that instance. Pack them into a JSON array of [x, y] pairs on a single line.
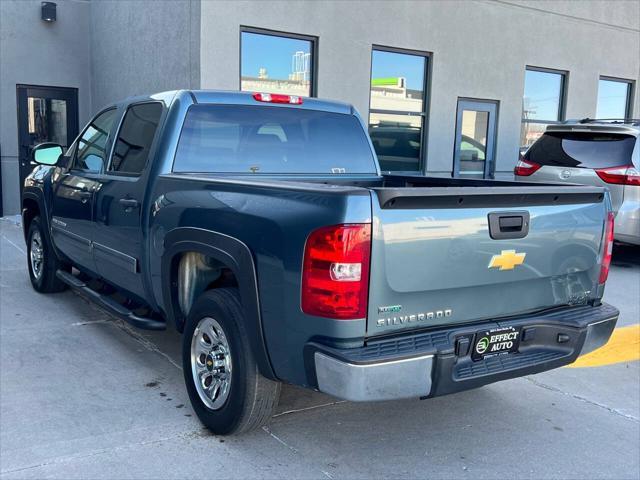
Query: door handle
[[508, 225], [129, 204]]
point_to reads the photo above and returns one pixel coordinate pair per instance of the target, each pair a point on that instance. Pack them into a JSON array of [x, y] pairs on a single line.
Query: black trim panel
[[488, 197]]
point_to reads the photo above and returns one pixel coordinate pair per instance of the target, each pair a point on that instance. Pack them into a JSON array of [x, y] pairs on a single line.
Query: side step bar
[[109, 304]]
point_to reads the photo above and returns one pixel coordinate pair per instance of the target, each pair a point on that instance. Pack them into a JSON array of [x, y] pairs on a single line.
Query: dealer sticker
[[497, 341]]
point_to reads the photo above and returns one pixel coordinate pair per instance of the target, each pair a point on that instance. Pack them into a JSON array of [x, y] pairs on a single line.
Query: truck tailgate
[[461, 254]]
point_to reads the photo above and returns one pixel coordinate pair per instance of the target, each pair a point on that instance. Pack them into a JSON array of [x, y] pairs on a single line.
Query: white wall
[[143, 46], [480, 50]]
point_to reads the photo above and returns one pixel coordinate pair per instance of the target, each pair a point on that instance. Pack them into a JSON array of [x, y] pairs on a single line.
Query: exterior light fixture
[[48, 11]]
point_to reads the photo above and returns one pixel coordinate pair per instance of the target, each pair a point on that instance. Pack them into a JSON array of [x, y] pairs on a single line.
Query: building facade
[[447, 87]]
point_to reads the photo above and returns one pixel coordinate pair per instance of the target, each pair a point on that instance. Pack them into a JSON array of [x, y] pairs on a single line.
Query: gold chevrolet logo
[[507, 260]]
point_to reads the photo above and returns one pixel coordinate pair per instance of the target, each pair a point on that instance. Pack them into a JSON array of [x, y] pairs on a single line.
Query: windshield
[[268, 139], [582, 149]]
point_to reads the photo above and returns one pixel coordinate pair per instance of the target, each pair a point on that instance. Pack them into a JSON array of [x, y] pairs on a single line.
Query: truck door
[[118, 208], [74, 190]]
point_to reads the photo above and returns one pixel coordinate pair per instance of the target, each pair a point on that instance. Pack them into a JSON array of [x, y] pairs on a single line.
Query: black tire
[[251, 398], [44, 281]]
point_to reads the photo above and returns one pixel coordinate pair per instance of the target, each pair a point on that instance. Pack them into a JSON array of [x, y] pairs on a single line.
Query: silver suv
[[592, 152]]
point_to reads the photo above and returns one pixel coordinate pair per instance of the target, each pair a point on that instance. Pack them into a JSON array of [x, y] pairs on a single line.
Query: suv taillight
[[607, 248], [625, 175], [335, 271], [524, 168]]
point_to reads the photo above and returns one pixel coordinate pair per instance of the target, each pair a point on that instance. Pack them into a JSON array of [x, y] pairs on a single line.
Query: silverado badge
[[507, 260]]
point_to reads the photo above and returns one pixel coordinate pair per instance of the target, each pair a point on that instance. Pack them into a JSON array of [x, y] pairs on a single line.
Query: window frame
[[114, 140], [562, 103], [628, 108], [76, 142], [426, 101], [313, 41], [492, 136]]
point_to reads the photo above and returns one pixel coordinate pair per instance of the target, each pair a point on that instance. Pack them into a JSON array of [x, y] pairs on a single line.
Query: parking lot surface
[[83, 395]]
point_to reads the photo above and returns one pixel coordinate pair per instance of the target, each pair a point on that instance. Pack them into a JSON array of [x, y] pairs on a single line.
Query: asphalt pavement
[[83, 395]]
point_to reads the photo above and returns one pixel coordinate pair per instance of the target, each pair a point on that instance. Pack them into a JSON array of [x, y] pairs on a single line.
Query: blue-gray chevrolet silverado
[[261, 227]]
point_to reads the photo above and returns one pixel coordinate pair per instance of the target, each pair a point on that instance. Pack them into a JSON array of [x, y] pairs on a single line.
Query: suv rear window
[[268, 139], [582, 149]]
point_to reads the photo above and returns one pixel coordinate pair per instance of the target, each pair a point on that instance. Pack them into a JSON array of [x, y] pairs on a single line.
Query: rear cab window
[[135, 138], [272, 140], [593, 150]]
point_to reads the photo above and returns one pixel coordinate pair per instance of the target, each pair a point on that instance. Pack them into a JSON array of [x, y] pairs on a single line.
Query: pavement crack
[[584, 399], [279, 440], [149, 345], [131, 331], [90, 322], [313, 407], [16, 246], [295, 450]]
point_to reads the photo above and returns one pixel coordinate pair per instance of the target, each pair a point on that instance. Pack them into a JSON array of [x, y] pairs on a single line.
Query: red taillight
[[625, 175], [607, 249], [335, 272], [524, 168], [278, 98]]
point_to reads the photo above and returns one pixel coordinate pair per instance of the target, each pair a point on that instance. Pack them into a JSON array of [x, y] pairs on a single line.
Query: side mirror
[[47, 153]]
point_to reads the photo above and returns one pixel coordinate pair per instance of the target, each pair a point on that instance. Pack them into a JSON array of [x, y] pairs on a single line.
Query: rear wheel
[[226, 390], [42, 261]]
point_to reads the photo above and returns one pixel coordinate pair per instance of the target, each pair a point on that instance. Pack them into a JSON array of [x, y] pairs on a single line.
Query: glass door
[[474, 150], [45, 114]]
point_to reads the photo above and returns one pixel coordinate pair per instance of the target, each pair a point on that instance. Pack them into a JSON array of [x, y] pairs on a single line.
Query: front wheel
[[42, 261], [226, 390]]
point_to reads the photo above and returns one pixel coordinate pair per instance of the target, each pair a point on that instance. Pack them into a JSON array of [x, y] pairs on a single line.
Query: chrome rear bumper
[[407, 378], [443, 370]]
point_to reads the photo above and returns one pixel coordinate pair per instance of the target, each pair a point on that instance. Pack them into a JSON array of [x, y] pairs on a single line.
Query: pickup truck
[[261, 227]]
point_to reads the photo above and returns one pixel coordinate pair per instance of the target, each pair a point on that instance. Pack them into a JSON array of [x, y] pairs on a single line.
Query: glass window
[[91, 150], [135, 138], [582, 149], [277, 64], [473, 142], [397, 108], [47, 120], [613, 98], [541, 104], [261, 139]]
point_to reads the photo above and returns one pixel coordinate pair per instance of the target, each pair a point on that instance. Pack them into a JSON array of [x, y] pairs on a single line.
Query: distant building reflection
[[298, 82]]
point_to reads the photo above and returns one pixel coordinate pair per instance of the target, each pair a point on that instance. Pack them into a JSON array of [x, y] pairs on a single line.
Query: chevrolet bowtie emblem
[[507, 260]]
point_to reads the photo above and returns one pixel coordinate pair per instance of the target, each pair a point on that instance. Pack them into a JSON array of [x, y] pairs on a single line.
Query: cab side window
[[91, 153], [135, 138]]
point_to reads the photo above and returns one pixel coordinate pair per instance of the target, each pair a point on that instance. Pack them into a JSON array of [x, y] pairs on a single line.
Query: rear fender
[[231, 253]]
